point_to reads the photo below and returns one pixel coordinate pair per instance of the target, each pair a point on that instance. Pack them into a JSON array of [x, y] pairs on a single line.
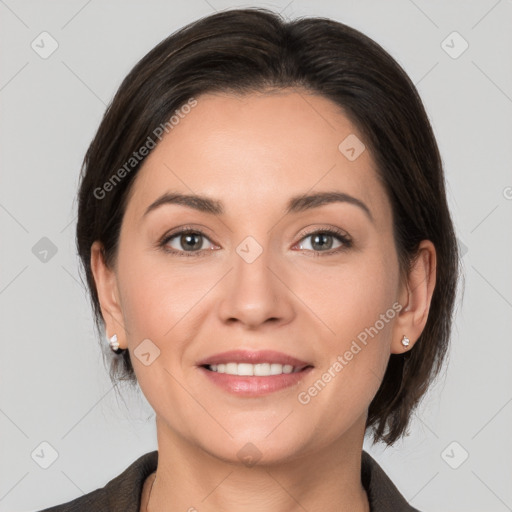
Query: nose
[[254, 293]]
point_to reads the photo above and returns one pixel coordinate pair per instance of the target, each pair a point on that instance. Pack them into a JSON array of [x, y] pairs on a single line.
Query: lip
[[254, 386], [253, 357]]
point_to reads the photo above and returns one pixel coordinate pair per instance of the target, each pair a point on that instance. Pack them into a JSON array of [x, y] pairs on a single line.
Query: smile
[[259, 370], [254, 373]]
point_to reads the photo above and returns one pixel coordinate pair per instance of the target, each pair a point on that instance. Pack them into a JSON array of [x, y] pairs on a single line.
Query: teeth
[[259, 370]]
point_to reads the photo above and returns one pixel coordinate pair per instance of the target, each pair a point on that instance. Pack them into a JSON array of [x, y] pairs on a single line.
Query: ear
[[415, 298], [108, 295]]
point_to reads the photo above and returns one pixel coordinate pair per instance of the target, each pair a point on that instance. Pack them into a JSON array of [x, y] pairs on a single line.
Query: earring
[[114, 344], [405, 341]]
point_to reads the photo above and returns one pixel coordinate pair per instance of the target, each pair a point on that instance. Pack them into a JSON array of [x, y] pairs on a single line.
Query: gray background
[[54, 386]]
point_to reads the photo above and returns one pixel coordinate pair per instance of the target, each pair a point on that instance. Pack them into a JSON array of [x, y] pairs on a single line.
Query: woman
[[265, 234]]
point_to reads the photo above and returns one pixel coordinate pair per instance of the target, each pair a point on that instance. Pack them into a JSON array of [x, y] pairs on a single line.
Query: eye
[[186, 241], [192, 242], [325, 240]]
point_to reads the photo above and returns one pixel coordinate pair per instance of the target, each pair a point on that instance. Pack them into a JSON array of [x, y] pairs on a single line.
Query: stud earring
[[405, 341], [114, 344]]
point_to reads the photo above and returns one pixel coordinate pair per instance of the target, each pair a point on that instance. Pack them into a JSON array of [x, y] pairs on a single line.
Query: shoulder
[[383, 495], [121, 494]]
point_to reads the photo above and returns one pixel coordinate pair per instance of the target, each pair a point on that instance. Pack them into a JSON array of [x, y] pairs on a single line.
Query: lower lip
[[255, 386]]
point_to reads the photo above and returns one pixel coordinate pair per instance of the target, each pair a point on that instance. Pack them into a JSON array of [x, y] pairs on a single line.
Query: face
[[265, 272]]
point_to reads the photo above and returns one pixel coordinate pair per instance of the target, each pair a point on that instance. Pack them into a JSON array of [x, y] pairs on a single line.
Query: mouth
[[259, 370], [254, 373]]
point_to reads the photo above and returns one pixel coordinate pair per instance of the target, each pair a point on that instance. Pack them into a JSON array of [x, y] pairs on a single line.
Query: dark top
[[124, 492]]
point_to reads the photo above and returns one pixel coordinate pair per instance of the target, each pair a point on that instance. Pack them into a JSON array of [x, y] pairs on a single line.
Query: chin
[[266, 445]]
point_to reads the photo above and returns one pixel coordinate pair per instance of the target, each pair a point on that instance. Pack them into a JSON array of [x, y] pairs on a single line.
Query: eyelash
[[336, 233], [340, 235]]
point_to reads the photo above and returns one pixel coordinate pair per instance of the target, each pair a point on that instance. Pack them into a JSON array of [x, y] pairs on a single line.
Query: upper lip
[[253, 357]]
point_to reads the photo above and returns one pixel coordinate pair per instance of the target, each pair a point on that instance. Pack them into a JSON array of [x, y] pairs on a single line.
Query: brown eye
[[323, 241], [186, 241], [191, 241]]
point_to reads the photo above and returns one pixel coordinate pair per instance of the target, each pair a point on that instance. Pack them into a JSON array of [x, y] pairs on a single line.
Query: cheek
[[158, 300], [157, 294], [349, 298], [357, 305]]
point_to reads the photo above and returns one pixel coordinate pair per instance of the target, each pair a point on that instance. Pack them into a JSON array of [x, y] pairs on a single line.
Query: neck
[[189, 479]]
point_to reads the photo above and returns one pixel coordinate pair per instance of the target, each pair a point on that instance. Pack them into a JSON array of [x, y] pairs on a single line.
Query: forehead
[[257, 150]]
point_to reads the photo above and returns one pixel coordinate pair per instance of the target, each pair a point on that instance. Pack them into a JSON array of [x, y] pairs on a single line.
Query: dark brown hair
[[247, 50]]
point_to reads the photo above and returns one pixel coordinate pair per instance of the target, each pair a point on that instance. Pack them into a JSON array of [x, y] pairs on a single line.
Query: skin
[[253, 153]]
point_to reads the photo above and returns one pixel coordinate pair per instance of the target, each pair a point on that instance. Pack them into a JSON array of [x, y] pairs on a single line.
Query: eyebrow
[[295, 204]]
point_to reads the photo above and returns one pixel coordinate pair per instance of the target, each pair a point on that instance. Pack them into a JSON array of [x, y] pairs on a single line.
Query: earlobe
[[108, 295], [417, 296]]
